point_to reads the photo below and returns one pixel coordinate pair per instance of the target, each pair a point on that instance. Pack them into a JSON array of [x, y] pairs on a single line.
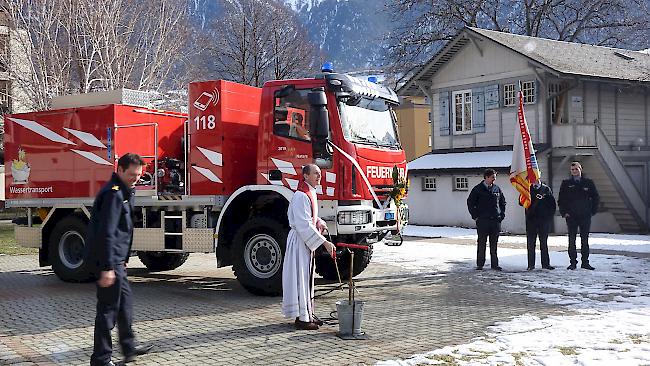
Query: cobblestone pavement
[[199, 315]]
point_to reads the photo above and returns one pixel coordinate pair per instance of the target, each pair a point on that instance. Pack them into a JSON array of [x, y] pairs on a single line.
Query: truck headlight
[[354, 217]]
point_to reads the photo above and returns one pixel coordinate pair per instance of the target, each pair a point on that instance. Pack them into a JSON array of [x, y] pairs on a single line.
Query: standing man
[[304, 238], [538, 222], [578, 201], [487, 205], [110, 234]]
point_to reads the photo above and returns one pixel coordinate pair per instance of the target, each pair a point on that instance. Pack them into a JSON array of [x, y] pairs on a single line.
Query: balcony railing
[[574, 135]]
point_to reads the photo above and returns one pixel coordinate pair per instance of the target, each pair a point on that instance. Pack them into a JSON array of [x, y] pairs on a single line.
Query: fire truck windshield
[[369, 122]]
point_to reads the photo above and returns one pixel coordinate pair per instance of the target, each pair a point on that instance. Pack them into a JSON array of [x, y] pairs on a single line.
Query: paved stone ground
[[199, 315]]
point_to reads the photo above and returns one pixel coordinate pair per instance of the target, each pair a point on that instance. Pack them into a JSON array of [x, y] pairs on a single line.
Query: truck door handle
[[275, 174]]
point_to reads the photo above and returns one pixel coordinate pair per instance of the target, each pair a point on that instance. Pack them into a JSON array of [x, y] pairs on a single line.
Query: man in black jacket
[[578, 201], [538, 222], [110, 234], [487, 205]]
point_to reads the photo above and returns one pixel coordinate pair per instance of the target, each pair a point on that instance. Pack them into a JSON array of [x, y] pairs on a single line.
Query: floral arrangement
[[400, 186]]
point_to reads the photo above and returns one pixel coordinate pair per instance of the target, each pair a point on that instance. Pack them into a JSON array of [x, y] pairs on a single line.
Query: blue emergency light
[[327, 67], [372, 79]]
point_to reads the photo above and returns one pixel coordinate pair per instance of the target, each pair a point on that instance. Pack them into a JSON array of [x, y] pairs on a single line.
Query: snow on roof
[[479, 159]]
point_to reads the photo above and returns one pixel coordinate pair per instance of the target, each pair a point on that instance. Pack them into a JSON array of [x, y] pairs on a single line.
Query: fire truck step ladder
[[175, 229]]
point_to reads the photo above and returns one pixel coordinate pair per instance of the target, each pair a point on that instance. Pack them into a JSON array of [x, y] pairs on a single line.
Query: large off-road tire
[[326, 268], [66, 250], [257, 255], [162, 261]]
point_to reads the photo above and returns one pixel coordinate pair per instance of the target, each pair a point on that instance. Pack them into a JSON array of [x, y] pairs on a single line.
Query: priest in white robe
[[304, 238]]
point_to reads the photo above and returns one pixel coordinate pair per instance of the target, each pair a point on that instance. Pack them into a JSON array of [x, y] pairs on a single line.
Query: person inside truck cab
[[298, 128]]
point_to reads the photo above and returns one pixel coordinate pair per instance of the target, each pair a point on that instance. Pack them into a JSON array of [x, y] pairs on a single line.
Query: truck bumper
[[365, 219]]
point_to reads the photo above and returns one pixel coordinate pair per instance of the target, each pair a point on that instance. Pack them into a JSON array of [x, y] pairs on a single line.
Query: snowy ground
[[622, 242], [609, 321]]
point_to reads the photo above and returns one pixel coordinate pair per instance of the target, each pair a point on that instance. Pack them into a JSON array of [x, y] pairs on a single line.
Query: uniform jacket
[[579, 198], [486, 203], [542, 205], [110, 231]]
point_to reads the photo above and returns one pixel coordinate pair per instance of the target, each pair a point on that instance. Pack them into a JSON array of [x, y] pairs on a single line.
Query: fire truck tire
[[258, 252], [326, 268], [161, 261], [66, 248]]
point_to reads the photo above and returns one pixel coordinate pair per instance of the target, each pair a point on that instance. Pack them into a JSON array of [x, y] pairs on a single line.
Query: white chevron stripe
[[208, 174], [42, 130], [92, 157], [215, 158], [274, 182], [293, 183], [330, 191], [87, 138], [319, 189], [284, 166], [330, 177]]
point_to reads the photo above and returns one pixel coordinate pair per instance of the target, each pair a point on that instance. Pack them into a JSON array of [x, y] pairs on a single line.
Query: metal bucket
[[344, 311]]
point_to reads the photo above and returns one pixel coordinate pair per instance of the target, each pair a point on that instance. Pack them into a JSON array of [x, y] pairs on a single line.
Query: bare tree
[[428, 24], [258, 40], [84, 45]]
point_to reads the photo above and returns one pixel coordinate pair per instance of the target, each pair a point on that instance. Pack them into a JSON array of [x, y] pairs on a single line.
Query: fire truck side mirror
[[320, 123]]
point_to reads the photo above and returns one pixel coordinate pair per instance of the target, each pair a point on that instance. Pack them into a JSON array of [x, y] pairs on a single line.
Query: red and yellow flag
[[524, 170]]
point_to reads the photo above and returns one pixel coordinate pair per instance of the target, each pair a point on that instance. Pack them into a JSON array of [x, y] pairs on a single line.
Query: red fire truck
[[217, 180]]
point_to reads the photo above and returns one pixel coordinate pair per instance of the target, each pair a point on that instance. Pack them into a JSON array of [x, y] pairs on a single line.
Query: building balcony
[[574, 135]]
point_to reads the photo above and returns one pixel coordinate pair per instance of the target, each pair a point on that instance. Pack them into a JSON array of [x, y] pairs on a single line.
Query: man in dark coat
[[578, 201], [110, 234], [538, 222], [487, 205]]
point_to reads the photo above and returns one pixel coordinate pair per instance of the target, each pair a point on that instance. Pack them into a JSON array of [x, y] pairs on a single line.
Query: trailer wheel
[[258, 252], [326, 268], [66, 248], [162, 261]]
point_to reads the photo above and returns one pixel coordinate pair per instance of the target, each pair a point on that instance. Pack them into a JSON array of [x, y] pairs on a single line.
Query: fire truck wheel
[[326, 268], [258, 251], [161, 261], [66, 248]]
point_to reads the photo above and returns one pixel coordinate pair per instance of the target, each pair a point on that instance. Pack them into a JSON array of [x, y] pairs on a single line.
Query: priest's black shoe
[[587, 266], [138, 351], [571, 267], [497, 268], [548, 267], [530, 268], [300, 325]]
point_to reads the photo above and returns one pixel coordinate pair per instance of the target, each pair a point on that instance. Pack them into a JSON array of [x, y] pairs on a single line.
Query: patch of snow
[[620, 242], [612, 325]]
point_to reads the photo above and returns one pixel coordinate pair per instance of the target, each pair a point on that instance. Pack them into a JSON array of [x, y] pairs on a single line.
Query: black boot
[[572, 266], [587, 266], [137, 351]]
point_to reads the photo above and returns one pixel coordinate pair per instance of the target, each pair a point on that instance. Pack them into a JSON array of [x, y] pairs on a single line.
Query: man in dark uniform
[[487, 205], [578, 201], [538, 222], [110, 234]]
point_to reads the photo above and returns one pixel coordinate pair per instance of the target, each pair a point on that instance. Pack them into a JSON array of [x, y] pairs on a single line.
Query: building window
[[462, 112], [557, 103], [509, 95], [461, 183], [528, 88], [430, 140], [429, 184], [5, 99]]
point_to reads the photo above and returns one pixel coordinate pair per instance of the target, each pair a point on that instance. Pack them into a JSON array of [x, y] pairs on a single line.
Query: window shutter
[[492, 97], [444, 113], [537, 85], [424, 183], [478, 110]]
